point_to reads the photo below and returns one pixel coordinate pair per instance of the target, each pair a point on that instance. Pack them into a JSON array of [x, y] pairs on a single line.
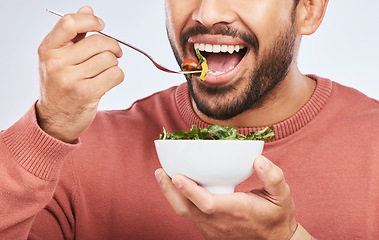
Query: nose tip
[[213, 12]]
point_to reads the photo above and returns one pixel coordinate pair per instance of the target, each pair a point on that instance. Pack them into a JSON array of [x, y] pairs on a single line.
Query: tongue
[[223, 62]]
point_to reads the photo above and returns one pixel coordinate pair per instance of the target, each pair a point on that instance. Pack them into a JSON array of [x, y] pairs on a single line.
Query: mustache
[[249, 38]]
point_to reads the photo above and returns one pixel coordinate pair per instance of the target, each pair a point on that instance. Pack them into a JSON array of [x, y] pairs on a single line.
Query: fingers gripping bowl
[[215, 158]]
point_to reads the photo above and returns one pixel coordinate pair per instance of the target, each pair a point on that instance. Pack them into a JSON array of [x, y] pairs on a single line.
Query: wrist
[[50, 124], [300, 234]]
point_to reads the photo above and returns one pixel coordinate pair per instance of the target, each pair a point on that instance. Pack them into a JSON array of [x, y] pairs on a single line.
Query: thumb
[[86, 10], [271, 176]]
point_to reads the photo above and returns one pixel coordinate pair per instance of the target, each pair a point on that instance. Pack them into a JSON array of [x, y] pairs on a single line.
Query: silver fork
[[157, 65]]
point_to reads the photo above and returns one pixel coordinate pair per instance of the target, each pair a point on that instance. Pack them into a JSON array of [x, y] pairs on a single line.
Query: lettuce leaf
[[216, 132]]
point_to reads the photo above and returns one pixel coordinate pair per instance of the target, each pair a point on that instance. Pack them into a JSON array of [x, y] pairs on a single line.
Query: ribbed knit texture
[[36, 151], [282, 129]]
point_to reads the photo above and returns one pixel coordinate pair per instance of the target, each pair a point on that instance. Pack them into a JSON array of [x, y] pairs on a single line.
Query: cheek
[[178, 16], [265, 19]]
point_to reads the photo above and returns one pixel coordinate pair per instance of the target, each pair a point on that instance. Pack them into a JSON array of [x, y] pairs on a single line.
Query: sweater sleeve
[[30, 163]]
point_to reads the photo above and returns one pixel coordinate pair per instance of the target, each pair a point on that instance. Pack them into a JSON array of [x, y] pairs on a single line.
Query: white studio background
[[344, 49]]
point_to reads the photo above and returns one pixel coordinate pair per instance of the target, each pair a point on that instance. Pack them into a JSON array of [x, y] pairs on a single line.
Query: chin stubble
[[223, 103], [246, 93]]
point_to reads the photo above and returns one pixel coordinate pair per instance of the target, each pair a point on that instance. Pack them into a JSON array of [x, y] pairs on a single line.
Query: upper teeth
[[218, 48]]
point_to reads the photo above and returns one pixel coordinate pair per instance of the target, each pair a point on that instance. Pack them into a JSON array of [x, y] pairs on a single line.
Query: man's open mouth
[[221, 58]]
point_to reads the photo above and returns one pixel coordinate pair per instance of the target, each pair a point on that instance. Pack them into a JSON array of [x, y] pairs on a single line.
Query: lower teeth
[[216, 73]]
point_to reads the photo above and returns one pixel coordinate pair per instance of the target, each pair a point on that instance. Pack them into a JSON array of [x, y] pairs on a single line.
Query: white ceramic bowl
[[217, 165]]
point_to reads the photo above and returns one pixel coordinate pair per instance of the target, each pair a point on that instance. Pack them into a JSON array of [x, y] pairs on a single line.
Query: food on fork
[[193, 65]]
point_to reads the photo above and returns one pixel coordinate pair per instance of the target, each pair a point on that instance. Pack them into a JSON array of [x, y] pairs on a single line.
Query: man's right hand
[[75, 72]]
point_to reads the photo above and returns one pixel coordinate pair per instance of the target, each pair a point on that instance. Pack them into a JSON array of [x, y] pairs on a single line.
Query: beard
[[249, 91]]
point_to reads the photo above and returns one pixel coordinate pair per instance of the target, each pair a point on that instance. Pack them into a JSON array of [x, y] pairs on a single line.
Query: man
[[68, 172]]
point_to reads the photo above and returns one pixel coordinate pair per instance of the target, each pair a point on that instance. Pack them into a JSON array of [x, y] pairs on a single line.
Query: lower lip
[[224, 78]]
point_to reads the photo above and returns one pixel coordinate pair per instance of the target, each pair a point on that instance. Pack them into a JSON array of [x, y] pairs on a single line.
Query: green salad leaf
[[200, 57], [204, 65], [216, 132]]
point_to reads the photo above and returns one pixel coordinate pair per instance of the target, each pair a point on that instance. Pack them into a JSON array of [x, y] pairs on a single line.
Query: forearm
[[30, 162]]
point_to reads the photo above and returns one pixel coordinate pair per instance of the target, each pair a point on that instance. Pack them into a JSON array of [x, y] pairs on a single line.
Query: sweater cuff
[[35, 150], [301, 234]]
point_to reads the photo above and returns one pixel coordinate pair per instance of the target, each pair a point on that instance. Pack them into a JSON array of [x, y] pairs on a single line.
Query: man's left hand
[[267, 213]]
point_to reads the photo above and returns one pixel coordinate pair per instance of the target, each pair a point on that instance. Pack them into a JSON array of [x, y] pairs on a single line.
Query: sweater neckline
[[282, 129]]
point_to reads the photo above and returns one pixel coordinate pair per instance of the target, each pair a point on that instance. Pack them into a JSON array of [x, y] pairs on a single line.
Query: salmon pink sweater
[[103, 186]]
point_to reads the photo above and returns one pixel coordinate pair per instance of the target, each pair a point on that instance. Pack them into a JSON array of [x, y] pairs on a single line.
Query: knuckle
[[53, 65], [109, 58], [105, 44], [97, 40], [65, 83], [67, 22], [42, 50], [208, 208]]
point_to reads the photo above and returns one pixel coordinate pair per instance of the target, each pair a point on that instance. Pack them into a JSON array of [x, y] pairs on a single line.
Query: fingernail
[[158, 176], [102, 24], [177, 182], [264, 162]]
